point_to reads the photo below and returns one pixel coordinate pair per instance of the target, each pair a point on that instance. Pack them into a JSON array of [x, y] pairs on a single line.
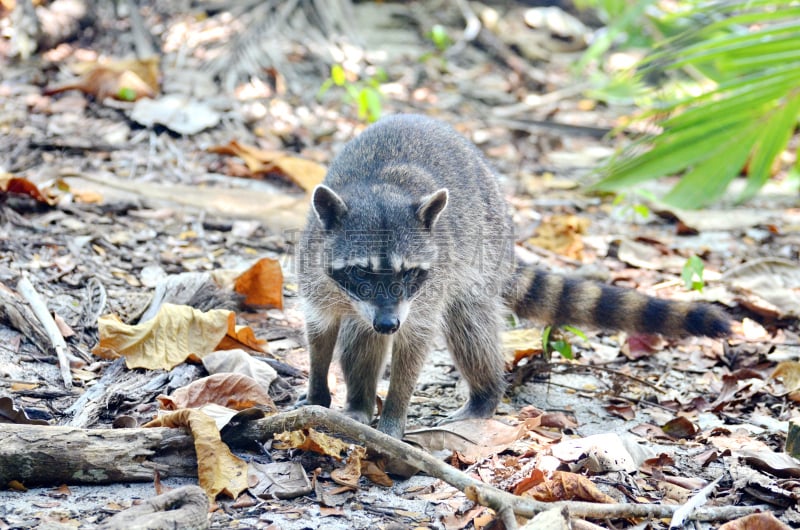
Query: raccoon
[[409, 236]]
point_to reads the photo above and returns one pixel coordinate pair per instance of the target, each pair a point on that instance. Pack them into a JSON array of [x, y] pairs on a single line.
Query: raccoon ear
[[328, 206], [431, 206]]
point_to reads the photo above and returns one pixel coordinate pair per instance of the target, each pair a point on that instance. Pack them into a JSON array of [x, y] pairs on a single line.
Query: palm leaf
[[751, 50]]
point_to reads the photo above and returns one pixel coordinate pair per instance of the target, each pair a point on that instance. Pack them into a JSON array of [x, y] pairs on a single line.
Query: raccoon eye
[[416, 273], [360, 273]]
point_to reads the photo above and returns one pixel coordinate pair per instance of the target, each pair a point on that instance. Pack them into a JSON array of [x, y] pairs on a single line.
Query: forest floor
[[108, 206]]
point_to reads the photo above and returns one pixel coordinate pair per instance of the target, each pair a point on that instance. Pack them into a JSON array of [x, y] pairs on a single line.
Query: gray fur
[[409, 236]]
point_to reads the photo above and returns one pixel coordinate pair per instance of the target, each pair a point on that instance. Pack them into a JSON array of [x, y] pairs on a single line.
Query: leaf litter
[[720, 421]]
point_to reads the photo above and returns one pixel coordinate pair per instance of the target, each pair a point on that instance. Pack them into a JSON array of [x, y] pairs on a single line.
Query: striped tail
[[559, 300]]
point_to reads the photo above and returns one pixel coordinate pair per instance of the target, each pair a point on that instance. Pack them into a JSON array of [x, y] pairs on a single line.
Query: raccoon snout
[[386, 324]]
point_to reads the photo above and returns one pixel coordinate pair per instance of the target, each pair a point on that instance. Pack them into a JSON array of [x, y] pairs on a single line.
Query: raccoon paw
[[305, 399], [472, 409], [359, 415]]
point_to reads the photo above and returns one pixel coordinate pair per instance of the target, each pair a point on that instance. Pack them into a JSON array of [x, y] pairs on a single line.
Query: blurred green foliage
[[724, 80]]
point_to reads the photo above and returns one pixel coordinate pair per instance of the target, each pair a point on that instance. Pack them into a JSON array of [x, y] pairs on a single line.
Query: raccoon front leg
[[363, 356], [408, 357], [321, 343], [473, 336]]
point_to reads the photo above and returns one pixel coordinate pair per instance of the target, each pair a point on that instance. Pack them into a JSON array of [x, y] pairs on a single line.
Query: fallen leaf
[[219, 470], [755, 521], [768, 286], [562, 235], [176, 112], [304, 173], [520, 344], [239, 361], [233, 391], [22, 186], [177, 333], [262, 284], [680, 427], [278, 480], [789, 373], [10, 414], [311, 440], [564, 486], [126, 80], [351, 472], [474, 439]]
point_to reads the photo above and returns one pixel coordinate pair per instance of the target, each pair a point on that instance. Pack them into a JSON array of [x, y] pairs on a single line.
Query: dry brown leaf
[[176, 333], [564, 486], [474, 439], [219, 470], [304, 173], [22, 186], [351, 472], [240, 336], [233, 391], [375, 473], [262, 284], [756, 521], [562, 234], [126, 80], [520, 344], [311, 440], [789, 372], [10, 414]]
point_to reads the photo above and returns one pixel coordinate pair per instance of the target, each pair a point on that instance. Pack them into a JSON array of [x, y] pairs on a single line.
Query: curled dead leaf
[[262, 284], [564, 486], [177, 333], [233, 391], [126, 80], [304, 173], [311, 440], [218, 470]]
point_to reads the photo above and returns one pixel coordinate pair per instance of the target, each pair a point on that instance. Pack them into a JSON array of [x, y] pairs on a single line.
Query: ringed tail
[[558, 300]]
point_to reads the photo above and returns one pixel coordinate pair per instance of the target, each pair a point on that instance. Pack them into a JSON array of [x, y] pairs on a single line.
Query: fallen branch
[[51, 455], [262, 430], [28, 291]]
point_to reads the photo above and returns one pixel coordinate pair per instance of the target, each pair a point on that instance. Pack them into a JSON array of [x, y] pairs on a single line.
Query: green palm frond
[[749, 51]]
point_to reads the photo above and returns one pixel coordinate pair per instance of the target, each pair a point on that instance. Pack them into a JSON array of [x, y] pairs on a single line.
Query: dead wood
[[484, 494], [185, 507], [55, 339], [52, 455], [18, 315]]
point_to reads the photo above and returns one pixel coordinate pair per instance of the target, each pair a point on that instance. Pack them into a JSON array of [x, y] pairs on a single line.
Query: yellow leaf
[[789, 372], [218, 470], [176, 333], [312, 440], [521, 343]]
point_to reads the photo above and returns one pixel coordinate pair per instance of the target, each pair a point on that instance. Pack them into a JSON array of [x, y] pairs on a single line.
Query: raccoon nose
[[386, 324]]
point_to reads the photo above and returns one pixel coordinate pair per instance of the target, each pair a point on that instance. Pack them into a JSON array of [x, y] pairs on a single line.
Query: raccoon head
[[380, 249]]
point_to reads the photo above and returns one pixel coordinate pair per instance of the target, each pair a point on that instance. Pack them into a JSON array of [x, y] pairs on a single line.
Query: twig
[[471, 30], [500, 501], [28, 291]]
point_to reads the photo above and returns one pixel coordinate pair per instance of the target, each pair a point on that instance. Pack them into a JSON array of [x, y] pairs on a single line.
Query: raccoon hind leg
[[473, 336], [363, 356]]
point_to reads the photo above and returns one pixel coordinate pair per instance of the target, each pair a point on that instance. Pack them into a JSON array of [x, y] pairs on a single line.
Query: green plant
[[552, 341], [692, 273], [365, 94], [746, 56], [624, 206]]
